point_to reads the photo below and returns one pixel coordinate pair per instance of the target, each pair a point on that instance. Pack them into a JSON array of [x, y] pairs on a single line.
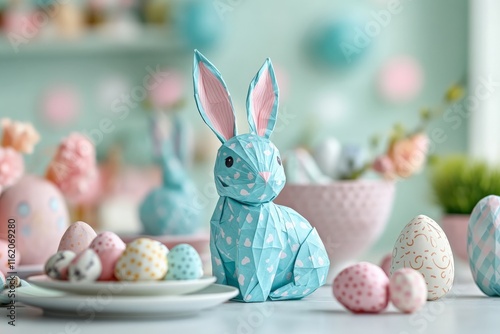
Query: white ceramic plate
[[55, 303], [121, 288]]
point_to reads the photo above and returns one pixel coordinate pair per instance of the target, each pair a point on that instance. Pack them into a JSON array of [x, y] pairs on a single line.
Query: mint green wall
[[435, 32]]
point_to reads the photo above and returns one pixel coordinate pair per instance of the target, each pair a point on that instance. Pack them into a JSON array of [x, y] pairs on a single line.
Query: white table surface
[[463, 310]]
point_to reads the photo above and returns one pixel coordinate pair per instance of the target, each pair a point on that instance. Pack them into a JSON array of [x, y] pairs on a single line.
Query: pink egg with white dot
[[408, 290], [109, 247], [362, 288]]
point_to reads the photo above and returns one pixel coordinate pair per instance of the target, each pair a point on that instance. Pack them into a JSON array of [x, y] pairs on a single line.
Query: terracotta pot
[[455, 227], [349, 215]]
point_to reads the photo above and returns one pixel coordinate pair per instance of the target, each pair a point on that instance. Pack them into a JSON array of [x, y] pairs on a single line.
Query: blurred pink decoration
[[349, 215], [11, 167], [409, 154], [22, 137], [386, 263], [60, 106], [383, 165], [455, 228], [401, 79], [41, 217], [74, 168], [166, 89]]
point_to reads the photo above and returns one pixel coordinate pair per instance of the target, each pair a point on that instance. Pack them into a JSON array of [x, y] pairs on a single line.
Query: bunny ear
[[212, 98], [262, 101]]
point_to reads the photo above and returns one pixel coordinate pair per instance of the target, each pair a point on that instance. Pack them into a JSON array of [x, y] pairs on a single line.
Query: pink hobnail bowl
[[350, 216]]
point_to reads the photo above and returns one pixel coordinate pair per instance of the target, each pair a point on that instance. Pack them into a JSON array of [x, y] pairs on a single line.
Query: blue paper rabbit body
[[263, 249], [169, 209]]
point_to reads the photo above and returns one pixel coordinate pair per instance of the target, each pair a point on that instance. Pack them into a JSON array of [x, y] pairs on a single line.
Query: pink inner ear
[[263, 100], [215, 100]]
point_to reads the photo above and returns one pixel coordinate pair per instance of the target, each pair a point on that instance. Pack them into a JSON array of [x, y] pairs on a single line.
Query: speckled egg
[[58, 264], [143, 260], [362, 288], [77, 237], [109, 247], [184, 263], [407, 290], [423, 246], [5, 254], [385, 264], [85, 267]]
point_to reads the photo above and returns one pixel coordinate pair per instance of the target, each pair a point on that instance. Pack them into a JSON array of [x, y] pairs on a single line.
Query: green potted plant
[[459, 182]]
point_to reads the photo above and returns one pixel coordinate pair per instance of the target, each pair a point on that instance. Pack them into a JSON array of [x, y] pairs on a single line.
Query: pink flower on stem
[[74, 168], [409, 155], [21, 137], [11, 167], [383, 165]]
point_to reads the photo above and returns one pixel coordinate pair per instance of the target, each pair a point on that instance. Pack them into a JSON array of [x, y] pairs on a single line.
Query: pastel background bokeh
[[73, 85]]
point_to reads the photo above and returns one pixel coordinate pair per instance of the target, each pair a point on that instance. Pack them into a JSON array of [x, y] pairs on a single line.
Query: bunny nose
[[265, 175]]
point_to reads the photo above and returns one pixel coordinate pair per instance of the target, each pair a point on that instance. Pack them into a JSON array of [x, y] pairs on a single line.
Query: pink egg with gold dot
[[362, 288], [408, 290], [77, 237], [109, 247]]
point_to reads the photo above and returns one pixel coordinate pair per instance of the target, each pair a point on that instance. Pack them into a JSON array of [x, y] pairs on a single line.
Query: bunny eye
[[229, 162], [279, 160]]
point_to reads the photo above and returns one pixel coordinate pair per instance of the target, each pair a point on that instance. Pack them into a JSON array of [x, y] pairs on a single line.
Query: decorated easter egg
[[385, 264], [85, 267], [184, 263], [362, 288], [109, 247], [423, 246], [143, 260], [40, 215], [77, 237], [407, 290], [58, 264], [483, 240], [10, 258]]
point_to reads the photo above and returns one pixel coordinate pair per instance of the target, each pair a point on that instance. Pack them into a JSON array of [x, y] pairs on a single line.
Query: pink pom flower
[[74, 168], [409, 155], [21, 137], [11, 167]]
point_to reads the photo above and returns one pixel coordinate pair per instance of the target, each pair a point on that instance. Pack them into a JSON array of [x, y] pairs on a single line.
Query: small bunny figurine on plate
[[263, 249]]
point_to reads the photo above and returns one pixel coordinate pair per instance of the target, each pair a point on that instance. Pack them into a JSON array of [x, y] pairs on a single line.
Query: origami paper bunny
[[169, 208], [265, 250]]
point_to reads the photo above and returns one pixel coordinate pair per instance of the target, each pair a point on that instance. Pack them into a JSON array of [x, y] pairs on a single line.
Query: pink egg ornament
[[109, 247], [5, 256], [407, 290], [362, 288], [77, 237], [41, 217], [385, 264]]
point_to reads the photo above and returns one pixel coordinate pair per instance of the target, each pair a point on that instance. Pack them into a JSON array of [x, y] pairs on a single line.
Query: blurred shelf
[[148, 40]]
